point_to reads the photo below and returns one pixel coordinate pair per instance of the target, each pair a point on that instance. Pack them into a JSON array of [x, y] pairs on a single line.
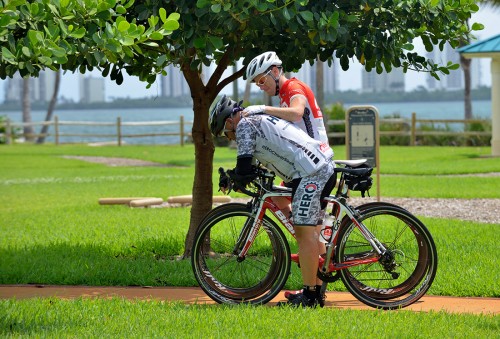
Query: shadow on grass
[[93, 265]]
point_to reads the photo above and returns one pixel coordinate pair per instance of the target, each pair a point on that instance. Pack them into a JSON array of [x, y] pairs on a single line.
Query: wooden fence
[[119, 136], [412, 130]]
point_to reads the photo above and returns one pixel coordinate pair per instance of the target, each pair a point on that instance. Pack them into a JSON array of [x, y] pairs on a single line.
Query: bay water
[[424, 110]]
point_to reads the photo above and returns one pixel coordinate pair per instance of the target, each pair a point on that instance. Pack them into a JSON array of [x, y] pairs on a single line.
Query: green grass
[[53, 231], [55, 318]]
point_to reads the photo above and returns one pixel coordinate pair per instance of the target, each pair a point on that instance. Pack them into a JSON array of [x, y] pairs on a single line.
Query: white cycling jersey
[[281, 146]]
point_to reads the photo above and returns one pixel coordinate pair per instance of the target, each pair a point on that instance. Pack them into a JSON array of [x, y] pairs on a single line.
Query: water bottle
[[327, 229]]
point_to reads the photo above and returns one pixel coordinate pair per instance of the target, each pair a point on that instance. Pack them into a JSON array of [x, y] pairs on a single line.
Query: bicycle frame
[[263, 203]]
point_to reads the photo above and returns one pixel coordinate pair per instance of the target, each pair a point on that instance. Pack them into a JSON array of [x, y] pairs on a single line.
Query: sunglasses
[[262, 79]]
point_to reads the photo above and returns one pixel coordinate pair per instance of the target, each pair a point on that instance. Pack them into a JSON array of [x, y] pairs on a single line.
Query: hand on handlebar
[[231, 180], [240, 182]]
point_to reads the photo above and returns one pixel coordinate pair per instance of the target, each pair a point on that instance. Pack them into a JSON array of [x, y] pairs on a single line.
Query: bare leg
[[307, 240]]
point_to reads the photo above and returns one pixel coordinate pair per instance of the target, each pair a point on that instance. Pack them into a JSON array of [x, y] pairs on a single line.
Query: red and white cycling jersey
[[312, 120]]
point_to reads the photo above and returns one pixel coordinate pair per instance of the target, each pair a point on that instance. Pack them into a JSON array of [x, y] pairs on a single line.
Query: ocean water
[[424, 110]]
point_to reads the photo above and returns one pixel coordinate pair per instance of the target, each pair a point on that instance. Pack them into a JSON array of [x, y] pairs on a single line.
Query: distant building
[[91, 90], [41, 88], [454, 80], [307, 74], [174, 84], [384, 82]]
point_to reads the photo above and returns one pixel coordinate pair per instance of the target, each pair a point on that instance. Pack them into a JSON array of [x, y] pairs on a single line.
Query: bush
[[14, 132]]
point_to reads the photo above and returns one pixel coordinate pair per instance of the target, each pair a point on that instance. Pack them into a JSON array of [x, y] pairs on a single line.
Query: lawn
[[55, 232]]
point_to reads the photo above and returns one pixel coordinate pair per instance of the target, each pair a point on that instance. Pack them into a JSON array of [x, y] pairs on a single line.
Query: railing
[[118, 135], [413, 131]]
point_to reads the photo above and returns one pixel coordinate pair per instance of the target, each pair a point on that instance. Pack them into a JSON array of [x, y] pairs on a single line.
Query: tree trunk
[[50, 109], [204, 153], [467, 87], [28, 131], [320, 92]]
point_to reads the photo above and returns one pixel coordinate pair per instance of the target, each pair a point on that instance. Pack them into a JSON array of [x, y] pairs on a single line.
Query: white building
[[307, 74], [393, 81], [454, 80], [41, 88], [174, 84], [91, 90]]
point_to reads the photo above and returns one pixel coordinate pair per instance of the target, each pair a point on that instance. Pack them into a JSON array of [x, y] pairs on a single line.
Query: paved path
[[192, 295]]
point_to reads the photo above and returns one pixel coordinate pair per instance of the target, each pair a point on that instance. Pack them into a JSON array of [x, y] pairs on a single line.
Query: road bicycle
[[383, 254]]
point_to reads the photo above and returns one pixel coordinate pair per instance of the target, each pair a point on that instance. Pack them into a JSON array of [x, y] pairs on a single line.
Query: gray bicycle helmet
[[261, 63], [222, 110]]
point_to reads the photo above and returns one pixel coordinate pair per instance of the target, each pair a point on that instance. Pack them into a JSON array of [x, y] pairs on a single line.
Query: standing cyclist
[[304, 163], [297, 105]]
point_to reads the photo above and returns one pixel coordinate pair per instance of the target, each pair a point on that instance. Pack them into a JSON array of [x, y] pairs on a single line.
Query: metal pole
[[181, 123], [56, 129], [413, 137], [119, 130]]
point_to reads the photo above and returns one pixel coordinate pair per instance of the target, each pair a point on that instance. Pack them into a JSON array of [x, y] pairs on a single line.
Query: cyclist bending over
[[304, 163]]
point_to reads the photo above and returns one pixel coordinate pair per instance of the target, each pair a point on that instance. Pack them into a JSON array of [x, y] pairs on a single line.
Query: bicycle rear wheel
[[224, 277], [404, 274]]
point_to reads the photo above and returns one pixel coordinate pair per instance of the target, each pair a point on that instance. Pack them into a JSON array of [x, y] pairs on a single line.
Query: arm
[[292, 113]]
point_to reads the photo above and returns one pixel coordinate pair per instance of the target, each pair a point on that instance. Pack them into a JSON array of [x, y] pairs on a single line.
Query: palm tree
[[465, 64], [28, 131], [50, 109]]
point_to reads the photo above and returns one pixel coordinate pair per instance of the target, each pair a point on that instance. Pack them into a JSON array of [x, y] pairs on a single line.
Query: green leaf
[[286, 14], [215, 8], [7, 55], [174, 16], [453, 66], [127, 41], [217, 42], [408, 47], [156, 36], [161, 59], [121, 10], [477, 26], [199, 43], [123, 26], [79, 33], [171, 25], [202, 3], [26, 51], [307, 15], [163, 14]]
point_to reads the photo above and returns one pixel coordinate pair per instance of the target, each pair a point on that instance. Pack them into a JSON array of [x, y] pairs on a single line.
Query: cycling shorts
[[307, 193]]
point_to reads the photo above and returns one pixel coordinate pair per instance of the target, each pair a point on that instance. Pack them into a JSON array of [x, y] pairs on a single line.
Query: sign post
[[362, 137]]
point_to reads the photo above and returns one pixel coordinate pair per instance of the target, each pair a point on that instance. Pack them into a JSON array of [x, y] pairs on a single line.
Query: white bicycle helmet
[[261, 63]]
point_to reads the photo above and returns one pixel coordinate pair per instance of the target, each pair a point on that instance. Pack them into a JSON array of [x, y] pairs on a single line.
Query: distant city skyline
[[348, 80]]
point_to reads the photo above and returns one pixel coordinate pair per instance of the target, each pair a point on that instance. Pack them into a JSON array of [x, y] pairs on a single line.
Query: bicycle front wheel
[[226, 278], [403, 274]]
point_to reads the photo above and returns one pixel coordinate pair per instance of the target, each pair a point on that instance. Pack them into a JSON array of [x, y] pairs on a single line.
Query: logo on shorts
[[305, 200]]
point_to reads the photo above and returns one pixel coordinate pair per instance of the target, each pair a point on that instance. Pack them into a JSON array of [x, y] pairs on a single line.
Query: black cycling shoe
[[300, 300], [319, 298]]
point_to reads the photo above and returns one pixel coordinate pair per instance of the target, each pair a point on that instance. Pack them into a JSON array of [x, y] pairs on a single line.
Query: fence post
[[8, 135], [413, 129], [119, 130], [181, 123], [56, 129]]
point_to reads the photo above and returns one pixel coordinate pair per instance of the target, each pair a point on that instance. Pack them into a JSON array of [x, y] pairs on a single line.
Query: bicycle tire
[[255, 280], [407, 240]]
